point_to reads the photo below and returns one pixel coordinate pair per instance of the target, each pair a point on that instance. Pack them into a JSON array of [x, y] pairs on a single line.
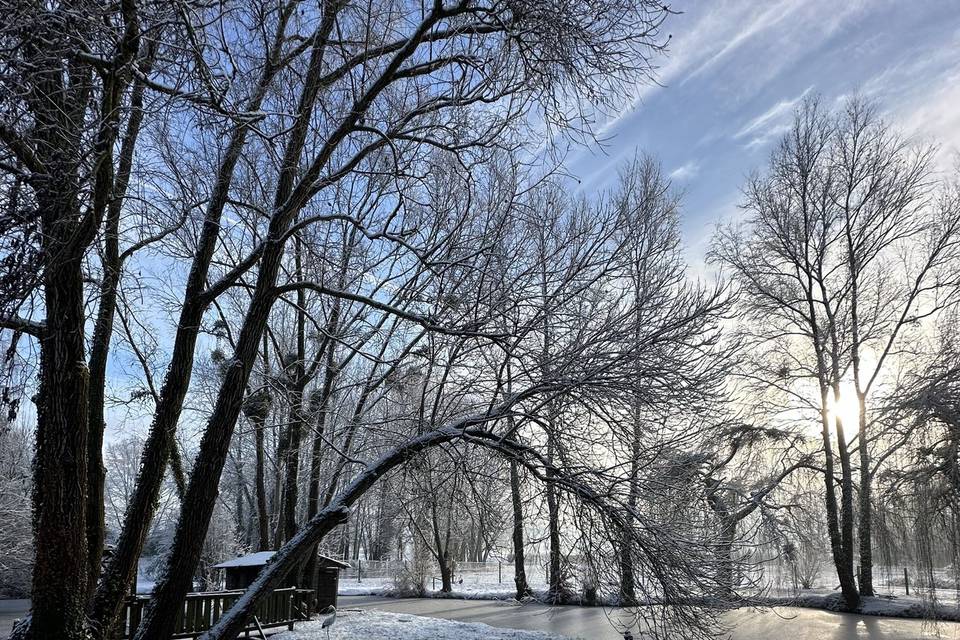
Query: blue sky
[[737, 68]]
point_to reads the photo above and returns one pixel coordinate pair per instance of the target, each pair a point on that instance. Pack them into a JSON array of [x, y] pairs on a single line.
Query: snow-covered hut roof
[[261, 558]]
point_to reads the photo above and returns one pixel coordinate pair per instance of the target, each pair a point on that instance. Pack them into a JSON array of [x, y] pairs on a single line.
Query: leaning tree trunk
[[158, 448], [160, 443], [202, 490], [121, 570], [200, 499], [103, 329], [338, 510], [333, 515]]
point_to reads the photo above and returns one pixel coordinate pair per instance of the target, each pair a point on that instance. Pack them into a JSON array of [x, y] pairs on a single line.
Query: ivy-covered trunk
[[60, 465]]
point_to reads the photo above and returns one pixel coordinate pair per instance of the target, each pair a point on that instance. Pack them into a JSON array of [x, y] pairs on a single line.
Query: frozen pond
[[784, 623]]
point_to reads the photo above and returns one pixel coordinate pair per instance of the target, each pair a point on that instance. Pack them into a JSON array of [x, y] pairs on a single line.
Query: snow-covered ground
[[380, 625], [890, 606]]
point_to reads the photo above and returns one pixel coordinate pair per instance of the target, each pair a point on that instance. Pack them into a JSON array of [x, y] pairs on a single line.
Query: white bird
[[329, 620]]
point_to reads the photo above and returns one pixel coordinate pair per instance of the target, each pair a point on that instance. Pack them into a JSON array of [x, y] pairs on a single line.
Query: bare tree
[[843, 254]]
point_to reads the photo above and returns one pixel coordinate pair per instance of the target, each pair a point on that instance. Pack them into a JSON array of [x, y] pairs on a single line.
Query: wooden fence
[[201, 611]]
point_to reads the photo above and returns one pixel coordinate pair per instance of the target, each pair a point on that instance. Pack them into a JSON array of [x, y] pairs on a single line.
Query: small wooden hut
[[240, 572]]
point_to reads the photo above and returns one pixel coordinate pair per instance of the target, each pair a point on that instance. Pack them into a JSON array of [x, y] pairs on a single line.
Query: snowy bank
[[504, 593], [891, 606], [380, 625], [384, 587]]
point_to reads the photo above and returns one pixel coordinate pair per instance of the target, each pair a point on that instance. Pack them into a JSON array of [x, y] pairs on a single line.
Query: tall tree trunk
[[519, 566], [241, 522], [277, 497], [628, 594], [628, 591], [60, 465], [60, 568], [847, 578], [263, 520], [103, 330], [516, 499], [441, 547], [61, 104], [842, 562], [846, 501], [557, 586], [257, 409], [839, 525], [728, 532], [291, 463], [291, 458], [320, 408], [865, 533]]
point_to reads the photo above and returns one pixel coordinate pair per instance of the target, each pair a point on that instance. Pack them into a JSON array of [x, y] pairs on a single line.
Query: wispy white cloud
[[736, 31], [934, 117], [920, 94], [686, 171], [725, 38], [771, 123]]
